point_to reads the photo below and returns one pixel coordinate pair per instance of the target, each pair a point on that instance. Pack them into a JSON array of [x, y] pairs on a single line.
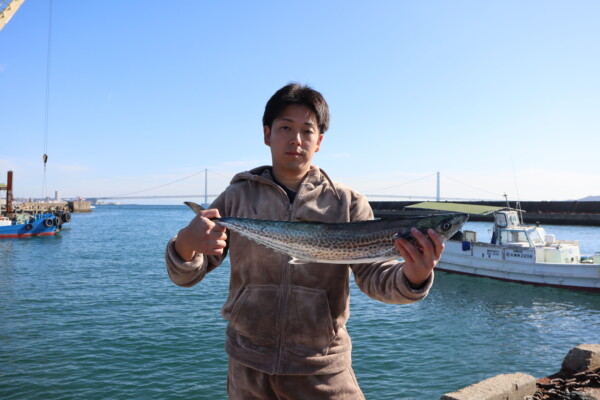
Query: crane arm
[[8, 8]]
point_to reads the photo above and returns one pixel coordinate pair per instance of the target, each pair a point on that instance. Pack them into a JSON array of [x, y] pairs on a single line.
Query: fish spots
[[343, 243]]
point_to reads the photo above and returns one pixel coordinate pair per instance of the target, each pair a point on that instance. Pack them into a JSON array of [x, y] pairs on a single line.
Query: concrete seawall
[[578, 378], [544, 212], [80, 206]]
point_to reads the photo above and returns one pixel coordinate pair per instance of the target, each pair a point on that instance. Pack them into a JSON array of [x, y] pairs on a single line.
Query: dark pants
[[244, 383]]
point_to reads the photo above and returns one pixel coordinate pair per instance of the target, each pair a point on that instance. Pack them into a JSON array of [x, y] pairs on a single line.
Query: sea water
[[91, 314]]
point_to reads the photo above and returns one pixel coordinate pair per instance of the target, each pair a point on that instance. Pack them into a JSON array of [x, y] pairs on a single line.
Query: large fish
[[339, 243]]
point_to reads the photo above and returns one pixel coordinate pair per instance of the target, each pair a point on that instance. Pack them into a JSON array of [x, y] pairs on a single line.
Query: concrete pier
[[500, 387], [579, 373], [39, 206], [80, 206]]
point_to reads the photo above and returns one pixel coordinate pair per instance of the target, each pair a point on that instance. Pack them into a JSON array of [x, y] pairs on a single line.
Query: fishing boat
[[23, 223], [516, 252]]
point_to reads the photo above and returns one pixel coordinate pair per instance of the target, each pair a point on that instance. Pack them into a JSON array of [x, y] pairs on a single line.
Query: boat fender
[[48, 222], [29, 226], [66, 217], [466, 245]]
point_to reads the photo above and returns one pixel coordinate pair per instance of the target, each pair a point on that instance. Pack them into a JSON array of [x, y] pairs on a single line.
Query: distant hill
[[590, 198]]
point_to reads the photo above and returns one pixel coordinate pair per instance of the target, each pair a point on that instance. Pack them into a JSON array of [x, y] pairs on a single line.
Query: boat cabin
[[510, 239], [509, 231]]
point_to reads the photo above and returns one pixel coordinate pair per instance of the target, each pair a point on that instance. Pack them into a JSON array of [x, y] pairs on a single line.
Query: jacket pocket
[[254, 317], [309, 327]]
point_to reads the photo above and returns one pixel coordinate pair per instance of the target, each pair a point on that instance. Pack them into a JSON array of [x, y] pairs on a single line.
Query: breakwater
[[543, 212], [578, 378]]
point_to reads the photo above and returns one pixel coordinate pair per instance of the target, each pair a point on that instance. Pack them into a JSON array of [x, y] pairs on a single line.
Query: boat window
[[521, 236], [501, 220], [513, 237], [535, 236], [541, 232]]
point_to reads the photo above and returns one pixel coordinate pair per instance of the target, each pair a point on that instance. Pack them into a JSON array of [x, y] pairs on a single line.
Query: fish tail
[[197, 208], [194, 206]]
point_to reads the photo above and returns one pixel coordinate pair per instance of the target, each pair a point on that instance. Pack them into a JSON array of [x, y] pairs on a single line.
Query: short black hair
[[303, 95]]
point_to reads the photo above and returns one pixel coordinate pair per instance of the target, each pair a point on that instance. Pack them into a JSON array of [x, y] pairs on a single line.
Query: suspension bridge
[[207, 197]]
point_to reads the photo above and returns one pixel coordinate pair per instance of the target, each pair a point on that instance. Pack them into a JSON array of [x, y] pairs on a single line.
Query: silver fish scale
[[345, 243]]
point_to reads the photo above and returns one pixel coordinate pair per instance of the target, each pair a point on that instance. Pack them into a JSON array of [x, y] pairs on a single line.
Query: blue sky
[[499, 97]]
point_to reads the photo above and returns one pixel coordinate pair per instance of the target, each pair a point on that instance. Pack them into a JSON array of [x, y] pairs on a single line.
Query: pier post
[[9, 193]]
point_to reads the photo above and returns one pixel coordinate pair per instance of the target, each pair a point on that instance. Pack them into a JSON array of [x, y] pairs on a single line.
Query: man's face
[[294, 138]]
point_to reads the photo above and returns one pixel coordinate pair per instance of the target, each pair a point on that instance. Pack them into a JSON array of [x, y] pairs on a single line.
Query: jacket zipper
[[287, 289]]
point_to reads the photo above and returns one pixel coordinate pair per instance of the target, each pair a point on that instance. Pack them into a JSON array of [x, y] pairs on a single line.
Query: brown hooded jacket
[[285, 318]]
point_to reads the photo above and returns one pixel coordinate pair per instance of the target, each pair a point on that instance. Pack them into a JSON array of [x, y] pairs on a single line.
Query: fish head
[[447, 225]]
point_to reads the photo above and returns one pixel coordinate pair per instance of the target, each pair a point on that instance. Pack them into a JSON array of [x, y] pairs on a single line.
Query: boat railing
[[567, 243]]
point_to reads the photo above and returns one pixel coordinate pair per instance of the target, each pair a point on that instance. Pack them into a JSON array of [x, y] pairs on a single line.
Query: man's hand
[[201, 236], [420, 260]]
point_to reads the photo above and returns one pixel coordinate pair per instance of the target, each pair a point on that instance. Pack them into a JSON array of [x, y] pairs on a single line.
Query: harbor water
[[91, 314]]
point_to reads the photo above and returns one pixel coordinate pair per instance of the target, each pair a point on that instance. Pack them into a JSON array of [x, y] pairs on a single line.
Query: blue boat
[[24, 225], [17, 224]]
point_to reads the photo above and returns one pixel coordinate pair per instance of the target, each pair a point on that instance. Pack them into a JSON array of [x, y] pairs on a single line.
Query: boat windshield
[[536, 238], [514, 237]]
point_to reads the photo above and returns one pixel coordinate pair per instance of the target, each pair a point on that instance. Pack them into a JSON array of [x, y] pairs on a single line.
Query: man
[[286, 336]]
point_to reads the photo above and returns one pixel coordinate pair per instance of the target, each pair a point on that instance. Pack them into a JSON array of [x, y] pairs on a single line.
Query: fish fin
[[194, 206], [296, 261]]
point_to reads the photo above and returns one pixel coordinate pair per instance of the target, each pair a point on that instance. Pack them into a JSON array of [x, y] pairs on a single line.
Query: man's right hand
[[201, 236]]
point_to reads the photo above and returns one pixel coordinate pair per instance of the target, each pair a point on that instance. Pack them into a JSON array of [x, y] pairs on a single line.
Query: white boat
[[517, 252]]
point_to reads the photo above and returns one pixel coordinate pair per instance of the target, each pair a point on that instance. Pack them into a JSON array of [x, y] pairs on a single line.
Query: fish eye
[[445, 226]]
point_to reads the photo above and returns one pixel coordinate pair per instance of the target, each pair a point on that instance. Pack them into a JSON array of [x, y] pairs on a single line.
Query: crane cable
[[45, 157]]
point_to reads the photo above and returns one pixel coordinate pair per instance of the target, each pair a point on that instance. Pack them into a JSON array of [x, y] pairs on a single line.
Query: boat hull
[[38, 225], [517, 265]]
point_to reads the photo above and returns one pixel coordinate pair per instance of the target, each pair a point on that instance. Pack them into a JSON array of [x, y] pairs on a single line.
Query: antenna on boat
[[517, 189]]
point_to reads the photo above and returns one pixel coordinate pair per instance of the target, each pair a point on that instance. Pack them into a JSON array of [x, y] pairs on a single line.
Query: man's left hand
[[420, 260]]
